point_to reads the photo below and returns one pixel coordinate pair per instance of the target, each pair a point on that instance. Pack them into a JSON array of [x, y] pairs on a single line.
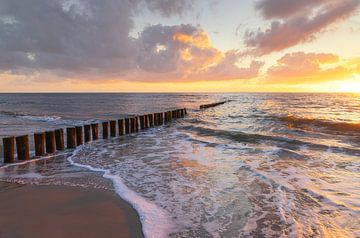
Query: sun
[[351, 86]]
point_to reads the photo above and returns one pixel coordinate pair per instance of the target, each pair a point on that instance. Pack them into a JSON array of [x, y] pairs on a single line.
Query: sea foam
[[156, 223]]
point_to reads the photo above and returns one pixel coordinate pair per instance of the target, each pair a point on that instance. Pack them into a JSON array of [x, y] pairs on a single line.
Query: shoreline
[[64, 211]]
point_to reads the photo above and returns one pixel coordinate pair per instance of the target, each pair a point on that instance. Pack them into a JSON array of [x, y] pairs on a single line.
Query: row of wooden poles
[[51, 141], [213, 104]]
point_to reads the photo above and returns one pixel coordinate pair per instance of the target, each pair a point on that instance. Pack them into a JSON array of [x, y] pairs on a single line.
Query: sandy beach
[[62, 211]]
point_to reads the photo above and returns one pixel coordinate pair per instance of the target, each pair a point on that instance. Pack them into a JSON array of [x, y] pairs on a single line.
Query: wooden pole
[[87, 133], [39, 139], [142, 122], [50, 142], [151, 120], [155, 119], [161, 118], [105, 129], [166, 117], [127, 125], [59, 138], [121, 127], [185, 111], [79, 135], [71, 137], [146, 122], [95, 131], [112, 128], [9, 149], [136, 123], [132, 127], [170, 115], [22, 147]]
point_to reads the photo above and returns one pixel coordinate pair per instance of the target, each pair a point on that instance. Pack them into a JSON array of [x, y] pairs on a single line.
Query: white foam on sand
[[156, 223]]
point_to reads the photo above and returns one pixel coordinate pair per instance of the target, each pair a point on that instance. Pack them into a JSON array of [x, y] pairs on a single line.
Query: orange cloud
[[300, 67], [185, 53]]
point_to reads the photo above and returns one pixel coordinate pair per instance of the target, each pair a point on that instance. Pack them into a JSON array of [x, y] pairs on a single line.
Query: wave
[[279, 141], [320, 123], [155, 221], [41, 118]]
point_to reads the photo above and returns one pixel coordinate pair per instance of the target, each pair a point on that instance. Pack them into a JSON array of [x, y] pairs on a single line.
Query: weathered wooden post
[[105, 129], [156, 119], [142, 120], [146, 121], [121, 127], [112, 128], [185, 111], [59, 139], [71, 137], [22, 147], [136, 123], [166, 117], [127, 125], [95, 131], [87, 133], [79, 135], [170, 115], [132, 127], [50, 142], [161, 118], [9, 149], [39, 140], [151, 120]]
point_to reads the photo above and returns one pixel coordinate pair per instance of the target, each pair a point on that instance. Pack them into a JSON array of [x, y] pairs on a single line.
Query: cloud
[[89, 39], [168, 8], [185, 52], [281, 9], [300, 67], [295, 22]]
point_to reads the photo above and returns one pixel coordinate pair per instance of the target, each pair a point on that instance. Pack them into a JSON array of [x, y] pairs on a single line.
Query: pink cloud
[[296, 23]]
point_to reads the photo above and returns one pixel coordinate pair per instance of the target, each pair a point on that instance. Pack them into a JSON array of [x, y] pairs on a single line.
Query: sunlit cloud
[[300, 67], [296, 21], [187, 54]]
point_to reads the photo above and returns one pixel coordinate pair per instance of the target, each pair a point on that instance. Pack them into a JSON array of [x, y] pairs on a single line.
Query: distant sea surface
[[262, 165]]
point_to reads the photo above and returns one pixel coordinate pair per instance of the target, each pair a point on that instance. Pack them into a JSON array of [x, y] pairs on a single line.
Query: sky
[[180, 46]]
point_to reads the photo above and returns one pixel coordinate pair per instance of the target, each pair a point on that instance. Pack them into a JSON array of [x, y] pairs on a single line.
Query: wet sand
[[61, 211]]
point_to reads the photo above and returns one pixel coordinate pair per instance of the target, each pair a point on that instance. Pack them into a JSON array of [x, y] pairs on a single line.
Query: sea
[[261, 165]]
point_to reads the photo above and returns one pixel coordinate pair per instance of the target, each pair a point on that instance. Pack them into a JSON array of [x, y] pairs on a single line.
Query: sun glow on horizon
[[351, 86]]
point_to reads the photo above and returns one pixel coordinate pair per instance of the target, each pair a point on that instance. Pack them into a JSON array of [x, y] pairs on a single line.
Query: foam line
[[155, 221]]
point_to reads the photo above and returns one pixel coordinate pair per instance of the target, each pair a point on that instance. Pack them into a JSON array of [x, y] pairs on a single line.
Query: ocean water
[[262, 165]]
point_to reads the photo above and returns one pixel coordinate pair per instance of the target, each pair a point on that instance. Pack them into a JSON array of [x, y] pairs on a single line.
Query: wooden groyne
[[205, 106], [47, 143]]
